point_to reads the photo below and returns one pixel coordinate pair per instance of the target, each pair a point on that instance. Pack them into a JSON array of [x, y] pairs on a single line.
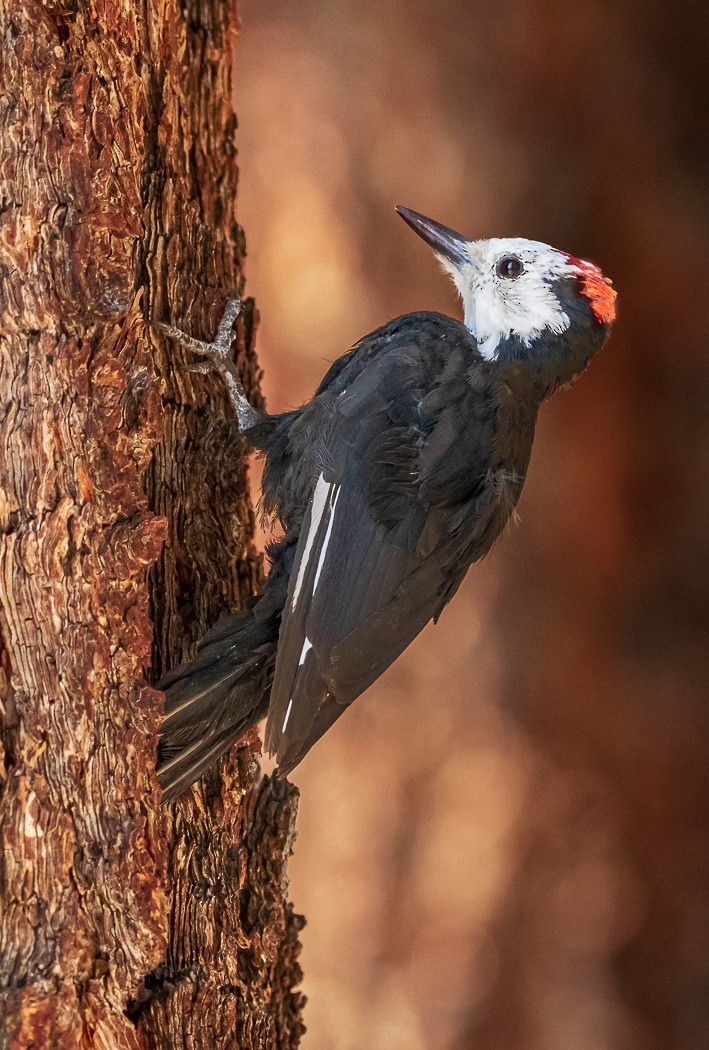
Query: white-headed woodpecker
[[399, 474]]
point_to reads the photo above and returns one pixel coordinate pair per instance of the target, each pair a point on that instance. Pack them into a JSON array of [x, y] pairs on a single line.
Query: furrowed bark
[[125, 529]]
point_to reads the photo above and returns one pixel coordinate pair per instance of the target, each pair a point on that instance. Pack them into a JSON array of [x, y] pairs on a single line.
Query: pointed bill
[[444, 241]]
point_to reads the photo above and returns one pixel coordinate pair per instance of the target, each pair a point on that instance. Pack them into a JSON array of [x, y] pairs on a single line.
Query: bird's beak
[[445, 242]]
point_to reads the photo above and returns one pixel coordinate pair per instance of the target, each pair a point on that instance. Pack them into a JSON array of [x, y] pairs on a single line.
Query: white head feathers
[[498, 301], [507, 284]]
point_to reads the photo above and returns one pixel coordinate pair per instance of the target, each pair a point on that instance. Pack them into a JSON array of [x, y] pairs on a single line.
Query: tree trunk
[[125, 529]]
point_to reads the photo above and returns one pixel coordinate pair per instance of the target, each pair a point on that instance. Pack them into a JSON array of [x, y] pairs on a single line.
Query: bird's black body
[[397, 476]]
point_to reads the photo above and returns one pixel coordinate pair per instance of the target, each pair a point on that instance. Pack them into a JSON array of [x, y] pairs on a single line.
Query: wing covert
[[375, 559]]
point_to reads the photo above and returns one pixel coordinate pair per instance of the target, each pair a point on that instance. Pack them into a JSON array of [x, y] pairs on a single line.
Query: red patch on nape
[[597, 289]]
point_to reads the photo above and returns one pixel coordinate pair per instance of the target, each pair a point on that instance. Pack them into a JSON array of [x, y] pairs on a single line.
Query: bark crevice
[[125, 530]]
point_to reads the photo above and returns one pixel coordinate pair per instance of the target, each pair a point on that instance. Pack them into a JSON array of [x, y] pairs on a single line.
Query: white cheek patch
[[496, 308], [526, 311]]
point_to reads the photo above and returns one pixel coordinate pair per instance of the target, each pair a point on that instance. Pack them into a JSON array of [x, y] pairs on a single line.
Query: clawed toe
[[218, 349], [207, 368], [225, 331], [218, 359]]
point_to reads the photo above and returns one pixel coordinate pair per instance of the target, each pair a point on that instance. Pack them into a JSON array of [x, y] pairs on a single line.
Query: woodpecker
[[400, 473]]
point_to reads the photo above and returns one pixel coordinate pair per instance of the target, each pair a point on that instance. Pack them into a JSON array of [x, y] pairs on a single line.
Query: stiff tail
[[213, 700]]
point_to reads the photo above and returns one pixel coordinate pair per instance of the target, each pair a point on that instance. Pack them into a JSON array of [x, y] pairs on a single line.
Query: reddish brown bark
[[121, 924]]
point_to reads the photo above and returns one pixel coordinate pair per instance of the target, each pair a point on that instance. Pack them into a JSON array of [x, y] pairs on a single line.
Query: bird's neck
[[553, 360]]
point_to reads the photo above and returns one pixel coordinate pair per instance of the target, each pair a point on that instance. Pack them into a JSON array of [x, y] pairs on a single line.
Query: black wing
[[388, 535]]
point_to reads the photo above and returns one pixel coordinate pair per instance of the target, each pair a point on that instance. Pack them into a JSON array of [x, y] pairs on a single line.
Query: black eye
[[509, 266]]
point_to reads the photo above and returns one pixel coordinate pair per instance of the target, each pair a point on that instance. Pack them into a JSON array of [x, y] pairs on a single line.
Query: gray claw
[[219, 360], [206, 368]]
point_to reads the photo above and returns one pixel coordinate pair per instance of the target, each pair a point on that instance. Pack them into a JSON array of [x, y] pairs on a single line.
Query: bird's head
[[524, 299]]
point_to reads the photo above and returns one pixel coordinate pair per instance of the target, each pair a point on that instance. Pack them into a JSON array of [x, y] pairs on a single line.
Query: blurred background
[[505, 844]]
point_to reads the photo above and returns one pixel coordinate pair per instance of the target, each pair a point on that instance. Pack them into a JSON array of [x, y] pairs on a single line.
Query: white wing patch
[[320, 496], [307, 646], [326, 541], [325, 496]]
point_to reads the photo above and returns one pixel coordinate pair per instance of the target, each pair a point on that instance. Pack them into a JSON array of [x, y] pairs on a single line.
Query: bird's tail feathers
[[213, 700]]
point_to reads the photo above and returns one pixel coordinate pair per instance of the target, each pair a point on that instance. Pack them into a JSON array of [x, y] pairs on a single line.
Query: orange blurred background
[[505, 844]]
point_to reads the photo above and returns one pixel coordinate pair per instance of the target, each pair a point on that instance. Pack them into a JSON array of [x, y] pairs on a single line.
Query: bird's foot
[[218, 359], [218, 350]]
